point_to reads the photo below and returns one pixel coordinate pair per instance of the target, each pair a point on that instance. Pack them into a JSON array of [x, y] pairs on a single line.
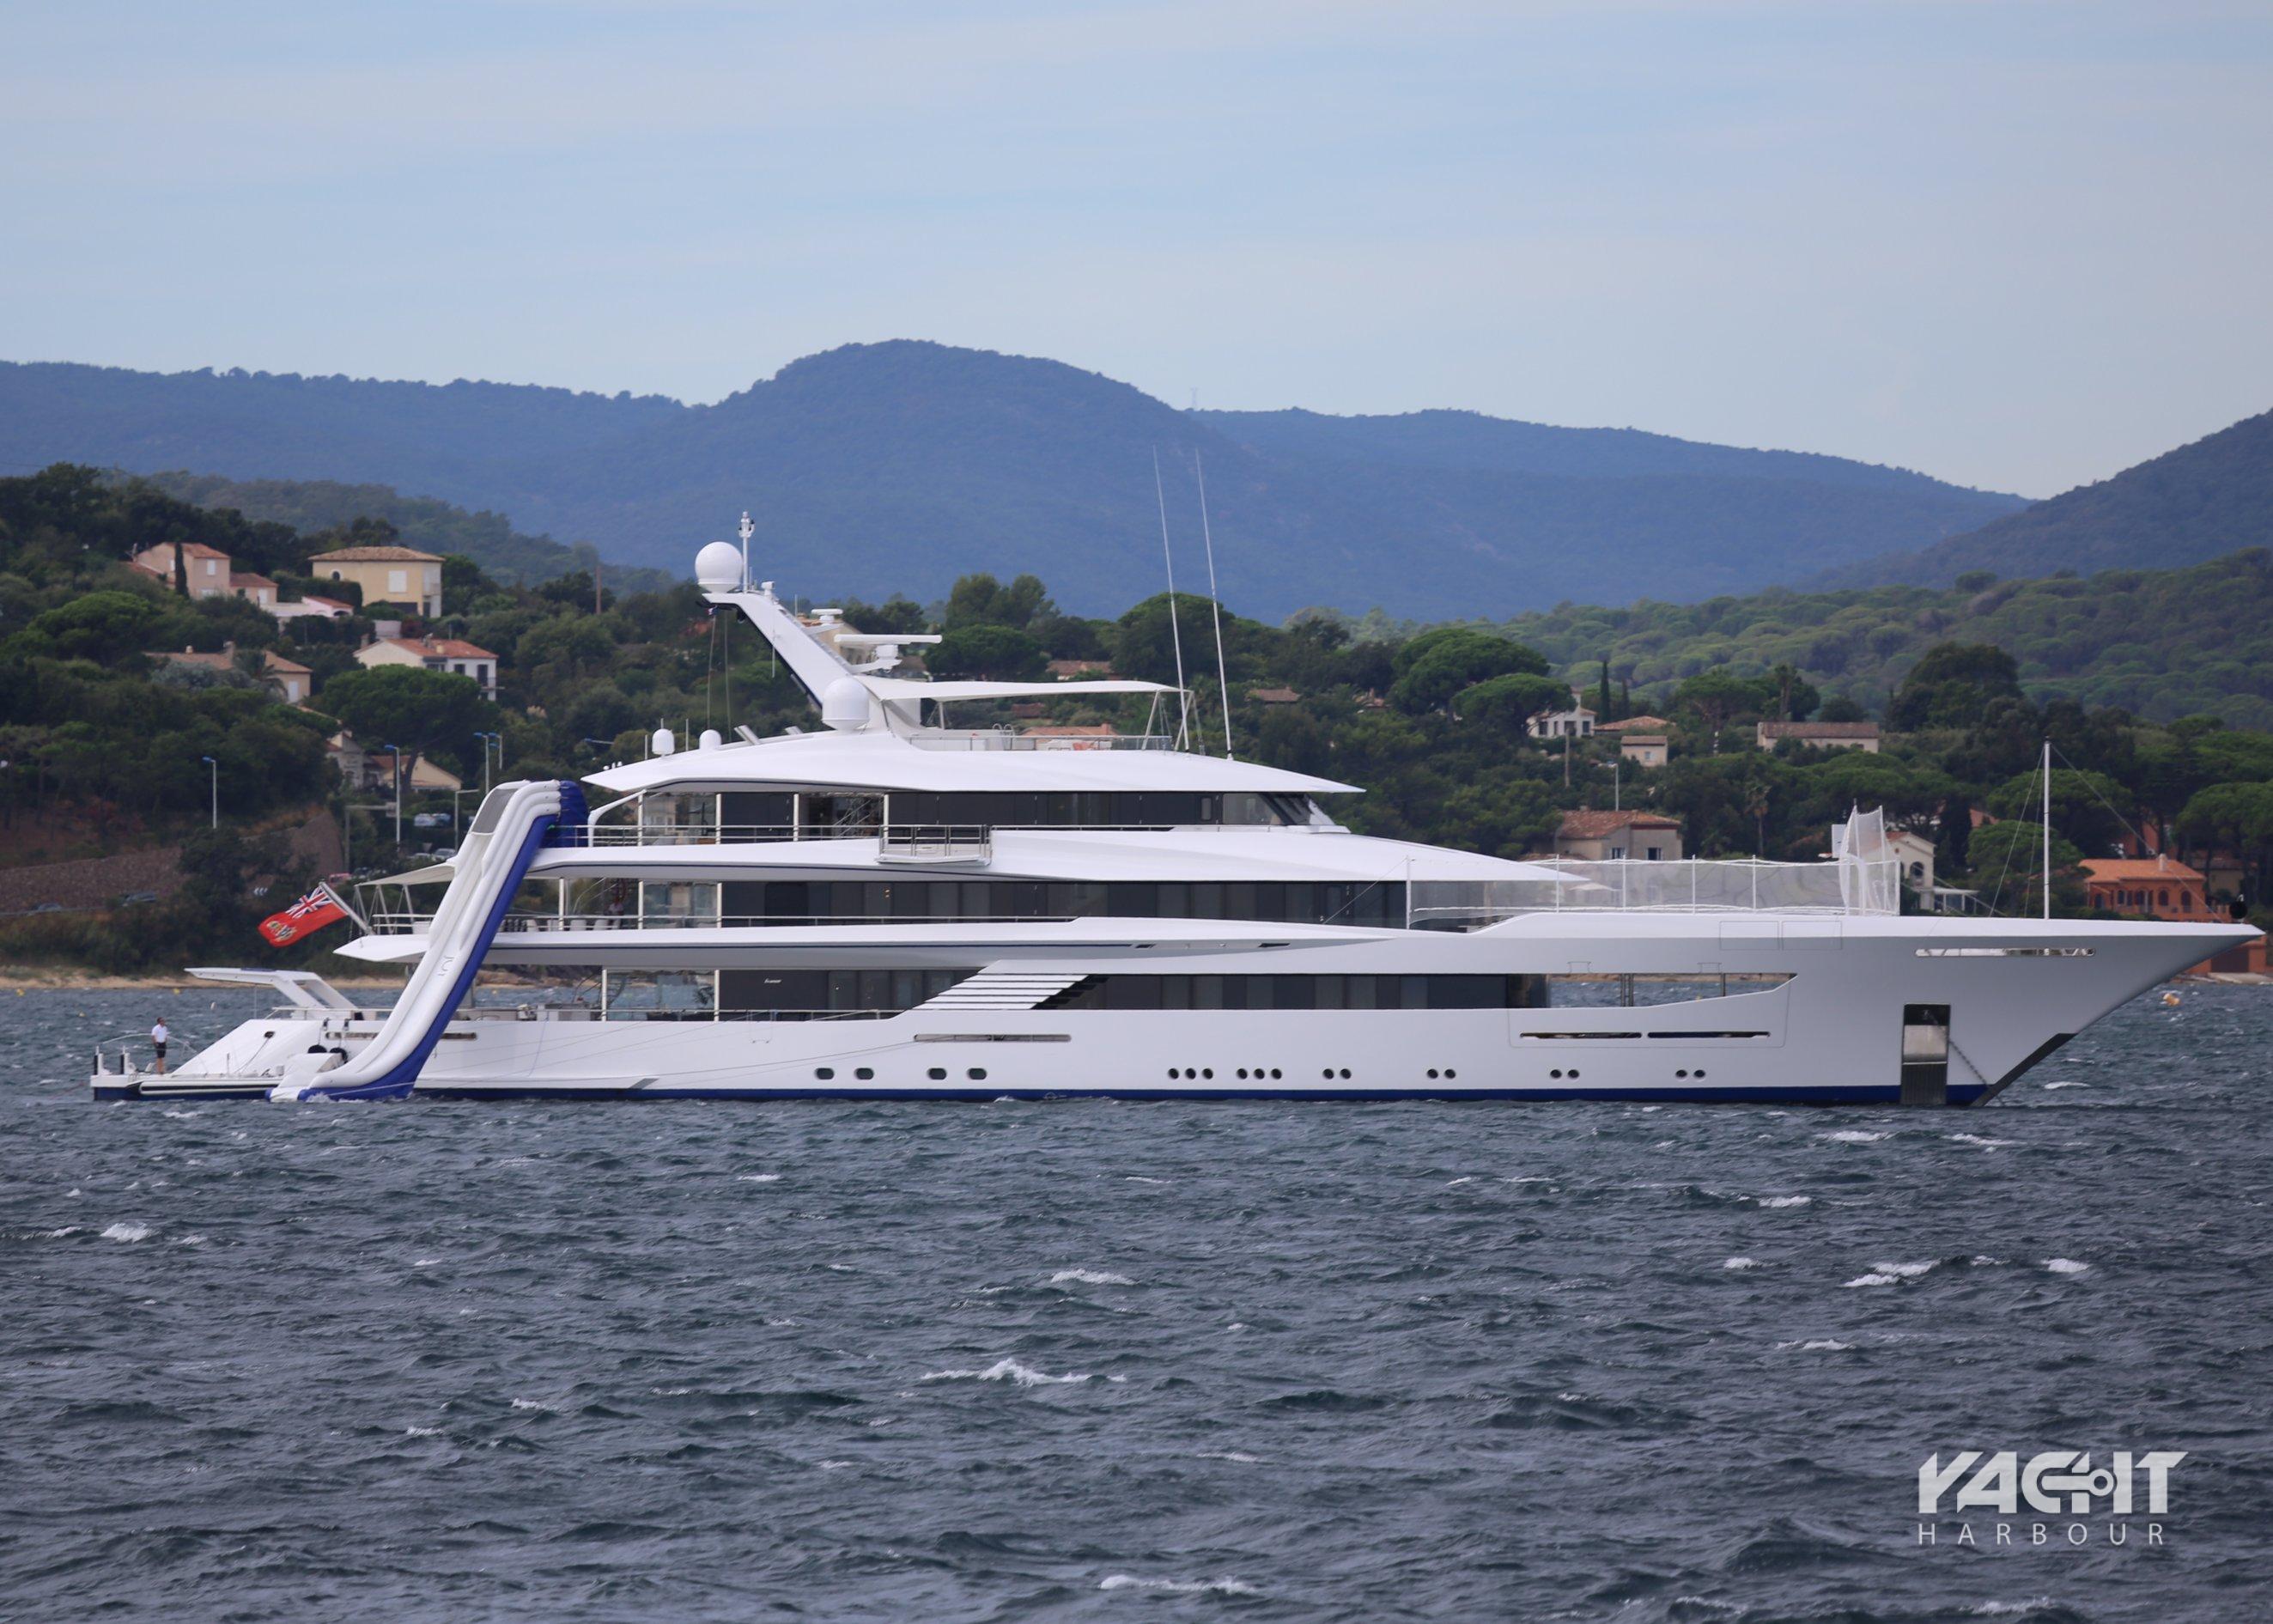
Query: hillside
[[897, 466], [313, 506], [2194, 503], [2159, 644]]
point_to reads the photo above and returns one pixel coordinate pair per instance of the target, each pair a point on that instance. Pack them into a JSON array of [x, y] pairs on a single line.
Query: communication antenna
[[1215, 602], [1175, 630], [748, 530]]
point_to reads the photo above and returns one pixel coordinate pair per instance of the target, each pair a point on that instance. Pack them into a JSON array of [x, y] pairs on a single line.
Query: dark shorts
[[161, 1048]]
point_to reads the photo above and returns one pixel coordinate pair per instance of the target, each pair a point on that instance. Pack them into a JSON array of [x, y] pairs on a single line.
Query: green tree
[[980, 599], [1437, 665], [1507, 703], [2085, 806], [1715, 698], [2237, 818], [987, 651], [2008, 869], [1950, 684], [420, 710], [108, 627]]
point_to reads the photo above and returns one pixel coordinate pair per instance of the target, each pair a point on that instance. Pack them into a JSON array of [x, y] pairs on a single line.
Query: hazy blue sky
[[2014, 245]]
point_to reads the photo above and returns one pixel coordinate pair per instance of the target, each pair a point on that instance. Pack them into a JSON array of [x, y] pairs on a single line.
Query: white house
[[450, 654], [1576, 723]]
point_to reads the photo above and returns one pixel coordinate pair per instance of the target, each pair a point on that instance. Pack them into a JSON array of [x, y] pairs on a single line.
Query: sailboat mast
[[2048, 828]]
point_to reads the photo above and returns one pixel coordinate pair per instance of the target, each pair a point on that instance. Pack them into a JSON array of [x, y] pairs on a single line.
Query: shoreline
[[26, 978]]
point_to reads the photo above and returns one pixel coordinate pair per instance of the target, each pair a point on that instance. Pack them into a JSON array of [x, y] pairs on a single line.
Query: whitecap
[[1821, 1344], [127, 1232], [1741, 1263], [1089, 1277], [2052, 1086], [758, 1178], [1231, 1454], [1008, 1370], [531, 1403], [1468, 1180], [1992, 1608], [1180, 1587], [74, 1188], [422, 1432], [835, 1465], [190, 1240], [1138, 1178], [56, 1235], [1853, 1136], [1975, 1139], [2065, 1265], [1785, 1200], [181, 1116], [424, 1262], [1889, 1274]]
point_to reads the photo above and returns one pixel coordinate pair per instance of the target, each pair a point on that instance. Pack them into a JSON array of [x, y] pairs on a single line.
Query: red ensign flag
[[312, 912]]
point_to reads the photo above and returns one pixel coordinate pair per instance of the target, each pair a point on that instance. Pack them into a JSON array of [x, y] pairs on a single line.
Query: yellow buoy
[[2170, 1001]]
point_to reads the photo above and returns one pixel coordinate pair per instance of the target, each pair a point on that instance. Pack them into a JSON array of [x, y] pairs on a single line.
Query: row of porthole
[[938, 1074]]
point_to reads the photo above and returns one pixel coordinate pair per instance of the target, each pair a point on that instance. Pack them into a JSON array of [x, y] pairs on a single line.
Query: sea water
[[1113, 1360]]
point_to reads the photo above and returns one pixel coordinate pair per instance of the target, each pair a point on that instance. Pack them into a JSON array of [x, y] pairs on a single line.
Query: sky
[[2014, 245]]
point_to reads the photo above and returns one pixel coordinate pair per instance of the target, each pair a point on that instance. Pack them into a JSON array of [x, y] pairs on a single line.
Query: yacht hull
[[1834, 1023]]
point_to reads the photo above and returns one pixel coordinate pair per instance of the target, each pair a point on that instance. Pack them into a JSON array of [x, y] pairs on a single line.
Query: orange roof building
[[2151, 887]]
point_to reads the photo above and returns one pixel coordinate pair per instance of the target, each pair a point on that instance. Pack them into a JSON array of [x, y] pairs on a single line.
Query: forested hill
[[321, 505], [2197, 502], [1473, 442], [2158, 644], [898, 466]]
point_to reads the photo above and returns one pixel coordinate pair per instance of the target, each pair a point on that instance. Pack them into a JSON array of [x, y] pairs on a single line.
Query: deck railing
[[1693, 885]]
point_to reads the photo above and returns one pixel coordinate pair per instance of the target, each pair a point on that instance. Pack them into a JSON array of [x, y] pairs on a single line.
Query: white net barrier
[[1689, 886]]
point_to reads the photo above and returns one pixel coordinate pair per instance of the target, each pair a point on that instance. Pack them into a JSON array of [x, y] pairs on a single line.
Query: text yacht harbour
[[896, 907]]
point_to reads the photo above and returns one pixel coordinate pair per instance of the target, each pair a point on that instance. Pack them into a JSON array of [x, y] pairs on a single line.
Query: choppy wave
[[521, 1363], [1180, 1587], [1009, 1369]]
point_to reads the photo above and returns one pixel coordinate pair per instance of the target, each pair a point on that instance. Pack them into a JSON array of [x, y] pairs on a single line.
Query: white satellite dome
[[718, 566], [711, 739], [845, 705], [662, 743]]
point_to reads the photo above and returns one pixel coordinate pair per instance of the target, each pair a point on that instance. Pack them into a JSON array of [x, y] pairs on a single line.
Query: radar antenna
[[748, 530]]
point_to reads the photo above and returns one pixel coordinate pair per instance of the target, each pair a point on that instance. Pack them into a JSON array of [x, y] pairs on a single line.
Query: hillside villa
[[208, 567], [1822, 735], [449, 654], [288, 680], [2152, 887], [1607, 837], [1578, 722], [386, 574], [1643, 749]]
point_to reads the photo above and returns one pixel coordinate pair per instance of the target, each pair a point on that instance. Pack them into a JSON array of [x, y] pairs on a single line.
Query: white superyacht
[[893, 907]]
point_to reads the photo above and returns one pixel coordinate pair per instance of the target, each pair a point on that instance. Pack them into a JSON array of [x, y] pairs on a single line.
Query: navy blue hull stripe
[[1843, 1095]]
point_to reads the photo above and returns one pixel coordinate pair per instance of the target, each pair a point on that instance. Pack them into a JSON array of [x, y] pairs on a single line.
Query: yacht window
[[813, 902]]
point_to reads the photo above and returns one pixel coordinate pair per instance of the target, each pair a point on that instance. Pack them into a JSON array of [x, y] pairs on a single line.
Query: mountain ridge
[[2195, 502], [902, 464]]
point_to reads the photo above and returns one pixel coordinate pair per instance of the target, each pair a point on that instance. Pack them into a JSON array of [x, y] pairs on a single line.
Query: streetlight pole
[[216, 765], [396, 751]]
